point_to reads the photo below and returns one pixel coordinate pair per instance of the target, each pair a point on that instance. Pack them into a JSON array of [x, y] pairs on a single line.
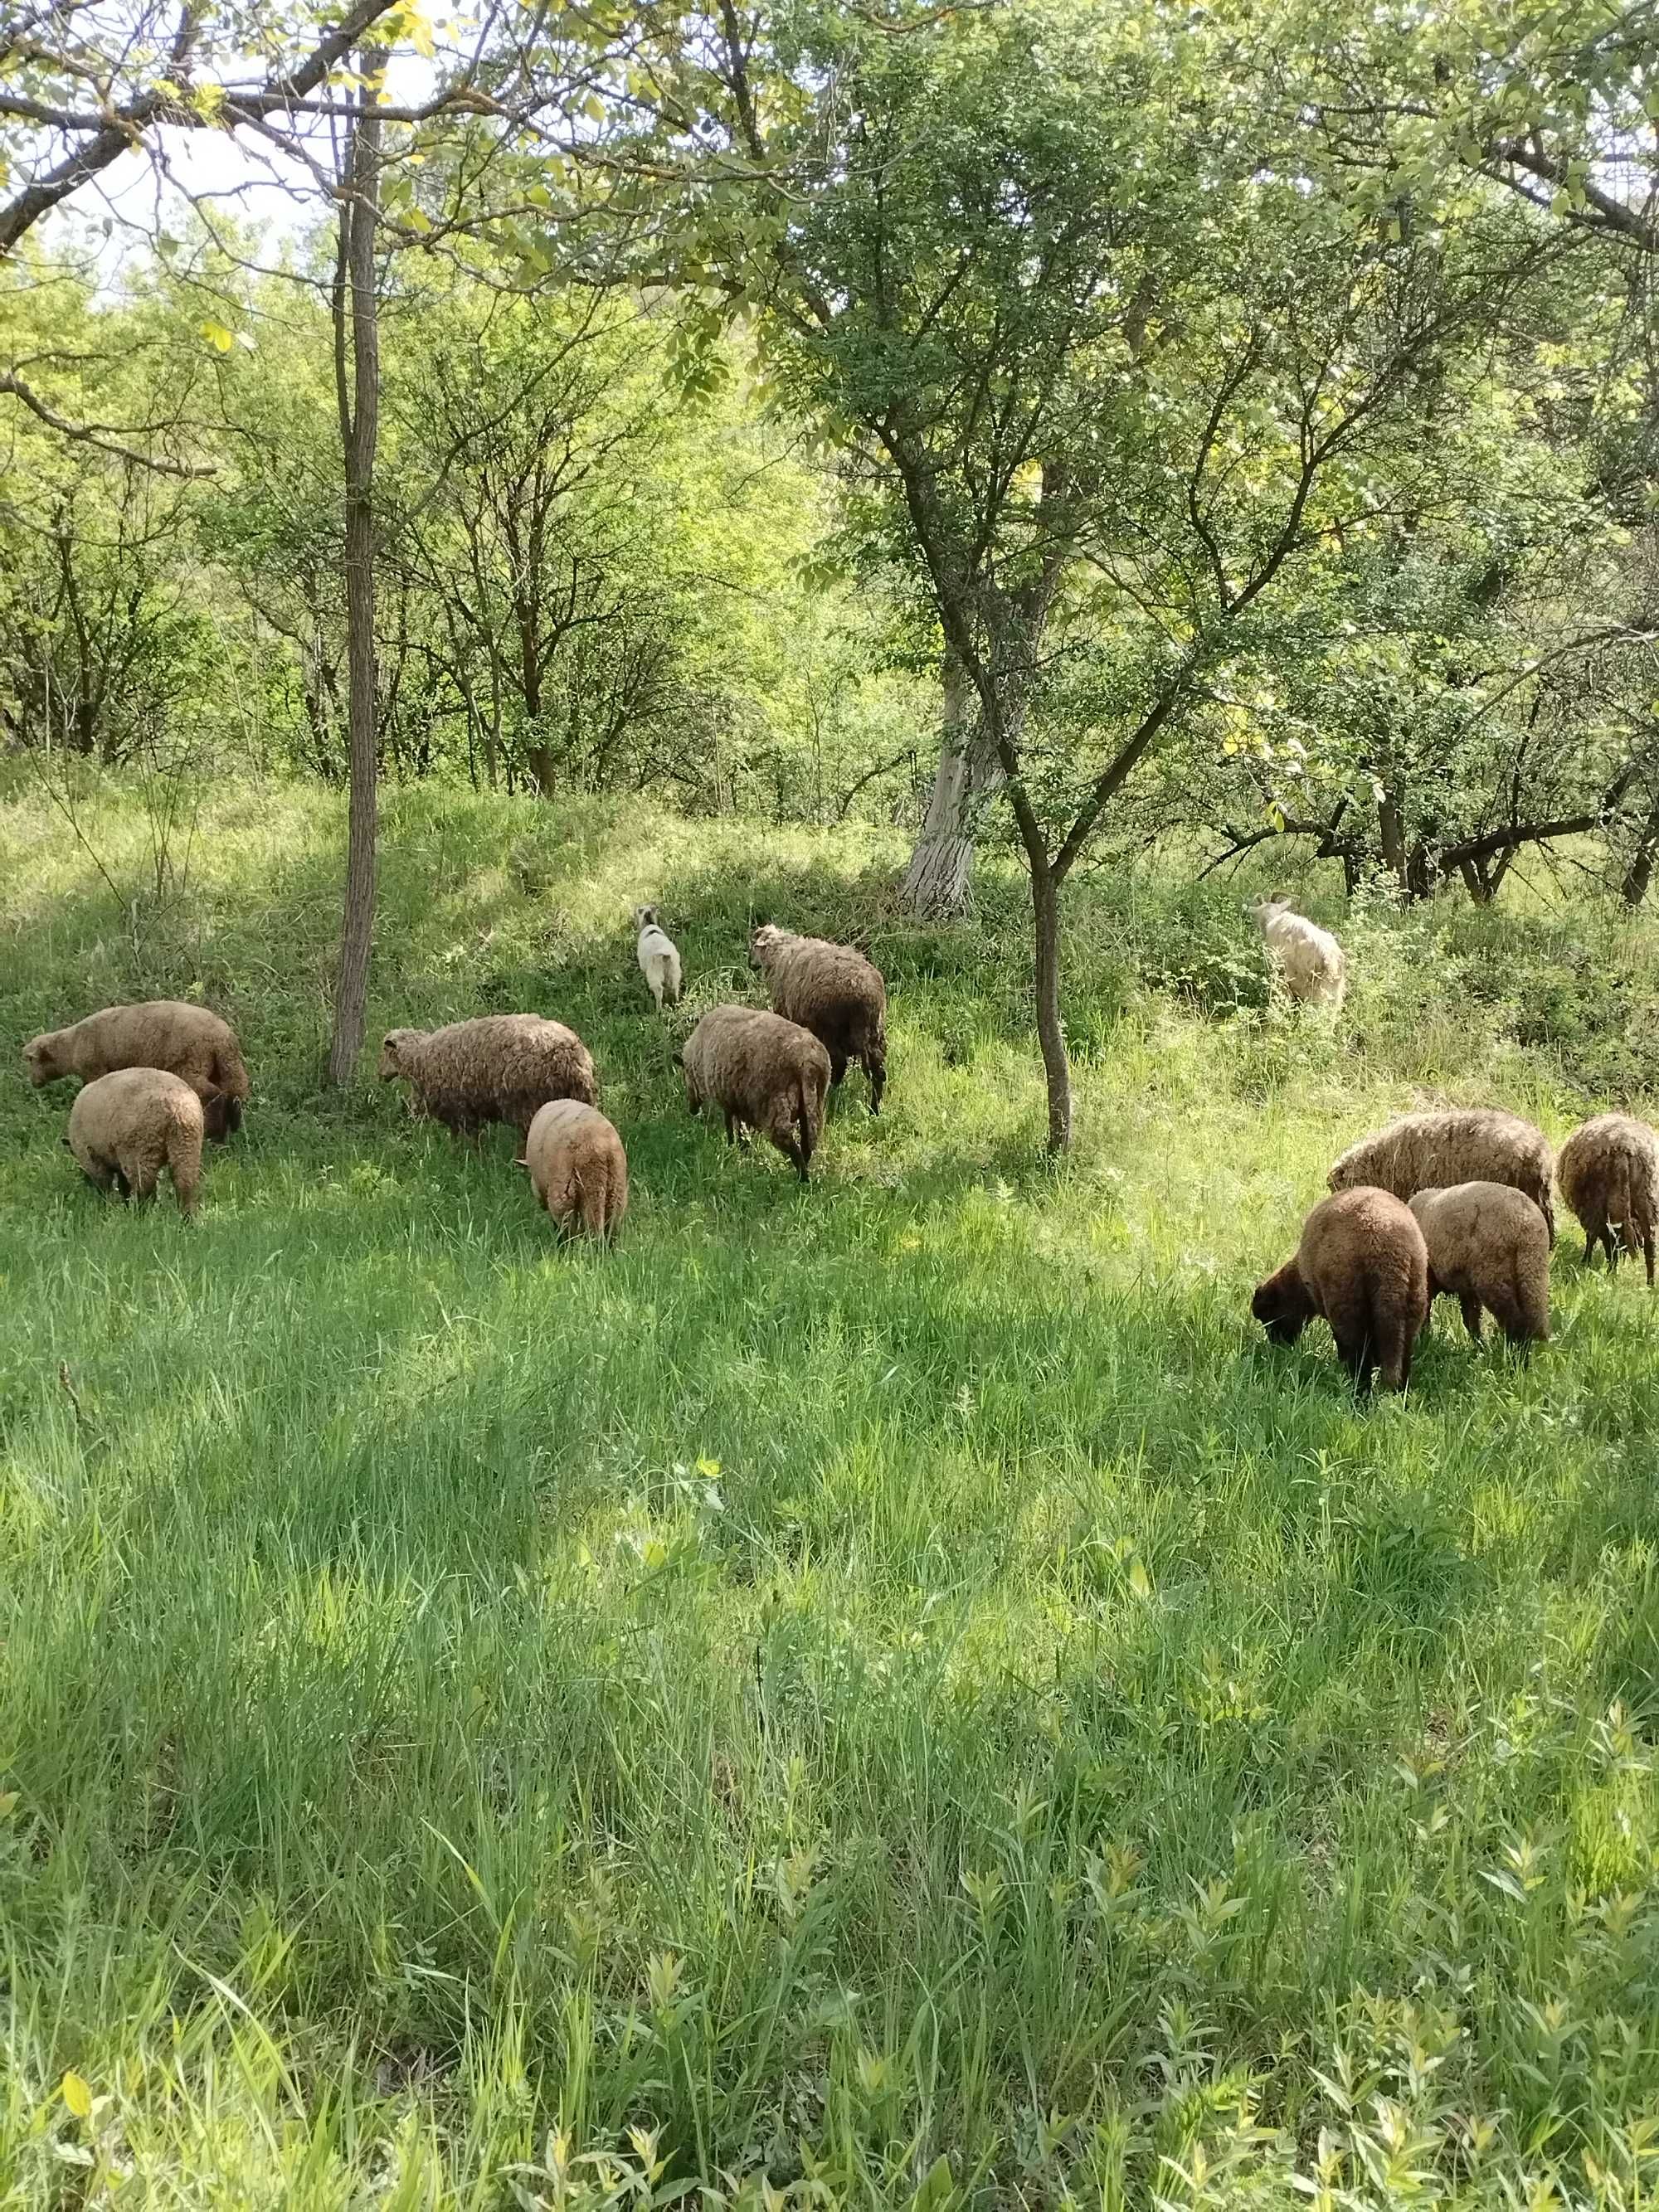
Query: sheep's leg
[[1647, 1251], [1469, 1306], [837, 1069], [1610, 1238], [730, 1128], [877, 1072]]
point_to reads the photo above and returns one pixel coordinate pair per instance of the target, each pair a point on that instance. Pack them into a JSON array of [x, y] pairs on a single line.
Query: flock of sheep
[[1456, 1202], [159, 1078]]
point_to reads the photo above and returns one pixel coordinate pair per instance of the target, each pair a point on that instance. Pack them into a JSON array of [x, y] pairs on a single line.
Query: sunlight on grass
[[855, 1677]]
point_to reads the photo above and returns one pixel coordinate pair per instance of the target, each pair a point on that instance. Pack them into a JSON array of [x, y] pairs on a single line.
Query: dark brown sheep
[[763, 1072], [1488, 1247], [189, 1041], [1609, 1175], [835, 992], [496, 1068], [1362, 1264]]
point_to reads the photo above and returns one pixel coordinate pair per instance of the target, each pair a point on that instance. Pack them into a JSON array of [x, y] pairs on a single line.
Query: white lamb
[[1310, 963], [658, 956]]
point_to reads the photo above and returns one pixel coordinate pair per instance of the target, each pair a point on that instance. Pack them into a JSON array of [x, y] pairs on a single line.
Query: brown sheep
[[1363, 1264], [835, 992], [187, 1041], [763, 1072], [577, 1168], [496, 1068], [1609, 1175], [1431, 1152], [125, 1128], [1488, 1247]]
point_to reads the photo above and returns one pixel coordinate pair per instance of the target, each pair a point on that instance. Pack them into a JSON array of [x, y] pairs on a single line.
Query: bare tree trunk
[[941, 868], [1051, 1030], [360, 411], [1639, 874], [1391, 831]]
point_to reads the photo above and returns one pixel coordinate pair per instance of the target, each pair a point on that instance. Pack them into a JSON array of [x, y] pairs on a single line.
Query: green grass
[[893, 1673]]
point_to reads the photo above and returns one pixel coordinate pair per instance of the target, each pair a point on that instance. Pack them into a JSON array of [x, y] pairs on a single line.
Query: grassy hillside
[[858, 1677]]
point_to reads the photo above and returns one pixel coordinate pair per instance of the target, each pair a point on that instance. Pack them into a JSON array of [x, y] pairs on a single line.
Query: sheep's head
[[645, 917], [220, 1115], [392, 1046], [1265, 911], [1282, 1305], [43, 1057], [764, 944]]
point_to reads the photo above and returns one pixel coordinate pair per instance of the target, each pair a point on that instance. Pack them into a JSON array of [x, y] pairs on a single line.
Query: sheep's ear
[[65, 1143], [521, 1162]]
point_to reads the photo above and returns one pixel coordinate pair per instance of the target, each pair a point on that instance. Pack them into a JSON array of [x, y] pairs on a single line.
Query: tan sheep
[[835, 992], [1362, 1264], [124, 1128], [1609, 1175], [496, 1068], [763, 1072], [1431, 1152], [577, 1168], [1488, 1247], [188, 1040]]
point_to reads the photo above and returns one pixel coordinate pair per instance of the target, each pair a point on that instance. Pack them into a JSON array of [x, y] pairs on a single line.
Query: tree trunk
[[1051, 1030], [359, 409], [941, 868], [1392, 834], [1639, 874]]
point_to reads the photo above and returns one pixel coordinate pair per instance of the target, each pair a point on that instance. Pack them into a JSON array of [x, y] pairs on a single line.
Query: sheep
[[1431, 1152], [833, 991], [1609, 1176], [125, 1128], [1307, 959], [187, 1041], [577, 1168], [1363, 1264], [496, 1068], [763, 1072], [658, 956], [1488, 1247]]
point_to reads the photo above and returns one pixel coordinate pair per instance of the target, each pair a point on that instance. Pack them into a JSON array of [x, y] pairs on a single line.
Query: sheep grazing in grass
[[1488, 1248], [496, 1068], [125, 1128], [1431, 1152], [1608, 1170], [1307, 959], [578, 1168], [187, 1041], [763, 1072], [835, 992], [1362, 1264], [658, 956]]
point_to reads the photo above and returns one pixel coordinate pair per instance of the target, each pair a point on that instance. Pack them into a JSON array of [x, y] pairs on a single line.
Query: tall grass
[[882, 1694]]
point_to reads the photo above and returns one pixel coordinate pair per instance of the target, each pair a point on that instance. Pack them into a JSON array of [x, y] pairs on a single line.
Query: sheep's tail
[[592, 1197], [809, 1114], [183, 1165]]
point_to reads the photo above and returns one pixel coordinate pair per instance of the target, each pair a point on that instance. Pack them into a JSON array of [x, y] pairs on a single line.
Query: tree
[[1108, 334], [357, 390]]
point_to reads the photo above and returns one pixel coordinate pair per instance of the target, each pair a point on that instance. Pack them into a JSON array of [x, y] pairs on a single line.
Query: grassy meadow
[[890, 1694]]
